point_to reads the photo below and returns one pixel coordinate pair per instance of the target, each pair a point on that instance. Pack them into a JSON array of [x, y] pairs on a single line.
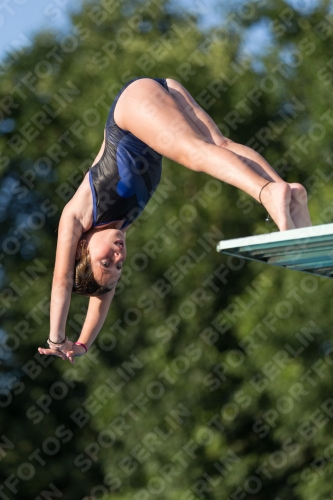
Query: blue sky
[[21, 19]]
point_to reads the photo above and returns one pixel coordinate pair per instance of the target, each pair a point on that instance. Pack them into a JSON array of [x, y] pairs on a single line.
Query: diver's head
[[99, 258]]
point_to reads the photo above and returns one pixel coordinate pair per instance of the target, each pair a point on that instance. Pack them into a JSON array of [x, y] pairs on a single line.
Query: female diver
[[149, 118]]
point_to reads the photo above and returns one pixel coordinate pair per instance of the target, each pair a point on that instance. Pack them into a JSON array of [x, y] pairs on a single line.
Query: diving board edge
[[308, 250], [304, 233]]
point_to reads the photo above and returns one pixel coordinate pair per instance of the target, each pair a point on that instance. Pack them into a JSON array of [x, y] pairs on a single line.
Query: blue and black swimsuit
[[126, 176]]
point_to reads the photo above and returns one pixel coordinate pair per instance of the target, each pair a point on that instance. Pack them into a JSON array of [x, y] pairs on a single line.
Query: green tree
[[210, 378]]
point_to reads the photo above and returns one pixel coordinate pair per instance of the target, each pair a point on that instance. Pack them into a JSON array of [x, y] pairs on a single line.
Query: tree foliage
[[211, 377]]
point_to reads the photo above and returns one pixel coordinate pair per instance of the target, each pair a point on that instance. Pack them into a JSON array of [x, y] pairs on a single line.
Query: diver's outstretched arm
[[96, 314], [97, 311], [69, 233]]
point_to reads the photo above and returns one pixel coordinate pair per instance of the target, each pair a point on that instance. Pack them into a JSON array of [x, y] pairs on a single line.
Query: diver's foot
[[276, 198], [299, 211]]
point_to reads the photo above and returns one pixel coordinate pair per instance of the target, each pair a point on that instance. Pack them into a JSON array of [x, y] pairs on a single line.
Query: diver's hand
[[76, 350], [67, 350]]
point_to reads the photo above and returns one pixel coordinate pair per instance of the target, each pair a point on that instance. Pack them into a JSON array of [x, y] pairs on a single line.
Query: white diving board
[[308, 249]]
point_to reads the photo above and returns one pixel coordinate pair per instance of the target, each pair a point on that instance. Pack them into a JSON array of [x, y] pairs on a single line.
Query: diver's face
[[107, 249]]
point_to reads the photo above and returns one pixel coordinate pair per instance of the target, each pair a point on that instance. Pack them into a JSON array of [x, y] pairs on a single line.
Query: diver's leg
[[205, 125], [150, 113]]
